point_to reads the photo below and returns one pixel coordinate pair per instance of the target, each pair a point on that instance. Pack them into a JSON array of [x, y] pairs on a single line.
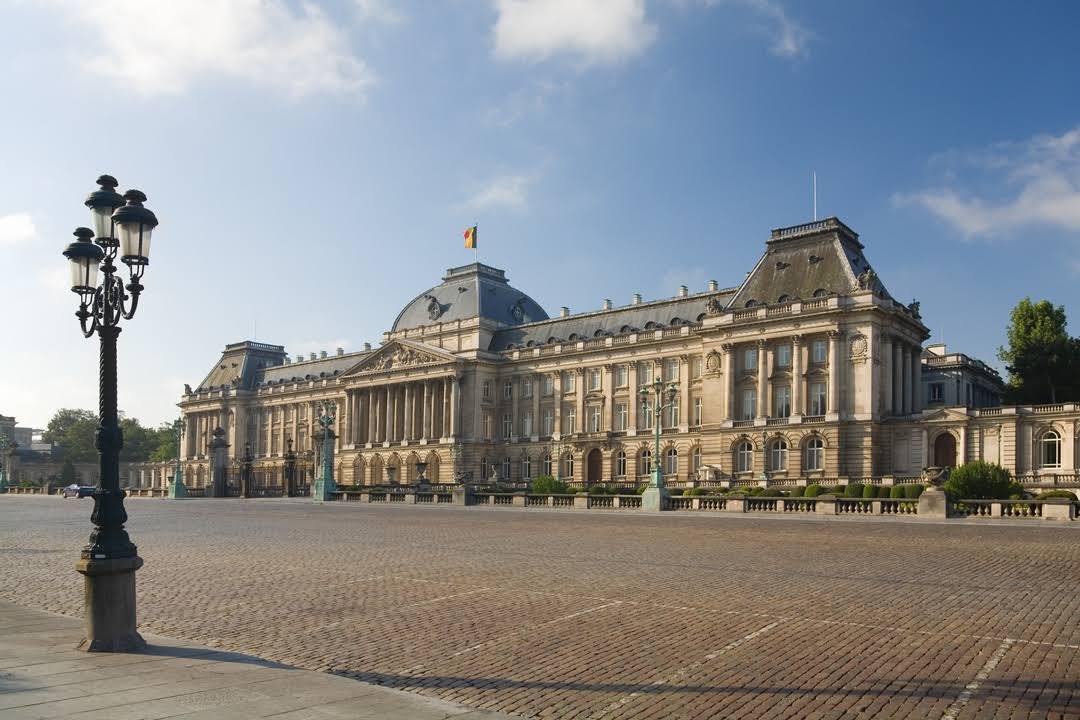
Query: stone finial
[[635, 299], [564, 311], [713, 286], [683, 291]]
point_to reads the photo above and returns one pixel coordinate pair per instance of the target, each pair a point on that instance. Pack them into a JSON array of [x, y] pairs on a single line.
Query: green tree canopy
[[166, 447], [1042, 360], [73, 432]]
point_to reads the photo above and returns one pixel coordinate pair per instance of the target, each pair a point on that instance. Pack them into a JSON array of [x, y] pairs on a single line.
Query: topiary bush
[[869, 492], [798, 491], [675, 491], [896, 492], [981, 481], [597, 490], [697, 492], [913, 491], [814, 490], [1056, 494], [855, 490], [547, 485], [836, 489]]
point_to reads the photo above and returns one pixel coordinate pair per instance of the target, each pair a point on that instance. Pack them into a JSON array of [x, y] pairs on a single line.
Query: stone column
[[887, 374], [908, 390], [898, 377], [369, 431], [408, 436], [455, 405], [684, 396], [189, 436], [729, 381], [425, 416], [607, 385], [557, 407], [633, 401], [579, 398], [444, 431], [515, 417], [834, 374], [537, 389], [916, 379], [796, 376], [388, 427], [762, 379]]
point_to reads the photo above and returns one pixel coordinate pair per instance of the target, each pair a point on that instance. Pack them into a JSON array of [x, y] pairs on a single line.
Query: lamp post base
[[653, 499], [323, 490], [109, 605], [177, 490]]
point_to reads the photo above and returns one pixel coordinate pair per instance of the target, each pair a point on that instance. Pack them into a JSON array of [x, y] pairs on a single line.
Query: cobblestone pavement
[[571, 614]]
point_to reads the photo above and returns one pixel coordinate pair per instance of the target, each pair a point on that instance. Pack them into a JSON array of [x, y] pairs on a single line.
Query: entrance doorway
[[593, 467], [945, 450]]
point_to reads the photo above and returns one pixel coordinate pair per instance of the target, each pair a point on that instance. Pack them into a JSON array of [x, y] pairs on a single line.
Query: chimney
[[367, 347], [341, 351], [287, 360], [683, 291], [713, 286], [322, 354], [607, 303], [312, 356], [299, 358], [636, 299], [564, 311]]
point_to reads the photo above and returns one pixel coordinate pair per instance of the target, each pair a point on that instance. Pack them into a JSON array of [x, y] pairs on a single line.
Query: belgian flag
[[470, 237]]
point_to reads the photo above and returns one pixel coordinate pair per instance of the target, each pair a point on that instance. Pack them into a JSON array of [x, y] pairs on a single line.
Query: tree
[[67, 473], [166, 447], [981, 481], [1042, 360], [73, 432]]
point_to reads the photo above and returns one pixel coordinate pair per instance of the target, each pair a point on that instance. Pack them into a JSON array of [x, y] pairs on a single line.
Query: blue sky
[[298, 154]]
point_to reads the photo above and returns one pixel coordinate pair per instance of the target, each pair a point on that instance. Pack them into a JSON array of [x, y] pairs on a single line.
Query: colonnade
[[800, 402], [901, 376], [423, 410]]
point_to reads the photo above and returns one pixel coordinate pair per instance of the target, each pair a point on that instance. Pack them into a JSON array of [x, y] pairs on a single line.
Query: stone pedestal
[[322, 490], [581, 501], [109, 602], [825, 505], [463, 495], [177, 490], [654, 499], [933, 503], [1057, 509]]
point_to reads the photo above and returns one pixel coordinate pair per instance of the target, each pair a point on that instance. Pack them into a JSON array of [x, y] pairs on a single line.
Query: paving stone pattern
[[556, 614]]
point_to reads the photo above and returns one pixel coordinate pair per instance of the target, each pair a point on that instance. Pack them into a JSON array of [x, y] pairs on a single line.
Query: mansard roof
[[631, 318], [823, 257], [466, 292], [241, 363]]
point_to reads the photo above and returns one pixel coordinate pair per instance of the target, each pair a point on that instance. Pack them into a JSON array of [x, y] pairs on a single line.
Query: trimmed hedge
[[798, 491], [896, 492], [981, 481], [869, 492], [814, 490], [912, 492], [547, 485], [597, 490], [855, 490], [697, 492], [1056, 494]]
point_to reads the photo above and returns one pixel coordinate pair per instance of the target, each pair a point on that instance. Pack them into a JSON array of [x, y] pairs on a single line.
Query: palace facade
[[810, 370]]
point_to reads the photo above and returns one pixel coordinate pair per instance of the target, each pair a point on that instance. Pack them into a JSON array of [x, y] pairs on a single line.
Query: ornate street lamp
[[653, 396], [290, 470], [110, 559], [3, 461], [324, 485], [243, 467], [176, 487]]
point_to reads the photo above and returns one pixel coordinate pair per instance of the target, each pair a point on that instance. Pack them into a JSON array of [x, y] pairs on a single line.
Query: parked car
[[78, 491]]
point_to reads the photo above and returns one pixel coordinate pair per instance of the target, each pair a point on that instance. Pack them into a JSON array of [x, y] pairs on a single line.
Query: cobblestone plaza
[[585, 615]]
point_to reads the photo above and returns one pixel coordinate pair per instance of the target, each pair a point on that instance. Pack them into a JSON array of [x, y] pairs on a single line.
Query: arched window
[[778, 455], [568, 465], [695, 460], [671, 461], [751, 303], [821, 292], [620, 463], [784, 299], [744, 457], [650, 325], [645, 462], [572, 337], [815, 454], [599, 333], [1050, 450], [547, 464]]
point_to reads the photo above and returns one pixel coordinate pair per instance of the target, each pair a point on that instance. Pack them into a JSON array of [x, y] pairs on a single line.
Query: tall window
[[526, 468], [487, 389], [817, 398], [819, 352], [526, 424], [568, 466], [778, 455], [645, 462], [487, 427], [744, 457], [1050, 450], [697, 411], [526, 388], [815, 454], [695, 460], [571, 420], [783, 356], [695, 368], [569, 382], [671, 369], [750, 358], [505, 469], [549, 422], [671, 414], [749, 404], [671, 461], [620, 463], [644, 374], [622, 417], [645, 421], [546, 464], [549, 385], [620, 376], [594, 379], [485, 469], [508, 389], [594, 418], [508, 426], [782, 401], [937, 392]]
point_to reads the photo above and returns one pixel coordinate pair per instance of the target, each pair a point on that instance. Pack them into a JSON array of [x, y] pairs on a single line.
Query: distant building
[[956, 380], [7, 428]]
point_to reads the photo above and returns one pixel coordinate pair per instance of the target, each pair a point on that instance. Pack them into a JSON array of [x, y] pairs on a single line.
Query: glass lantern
[[84, 257]]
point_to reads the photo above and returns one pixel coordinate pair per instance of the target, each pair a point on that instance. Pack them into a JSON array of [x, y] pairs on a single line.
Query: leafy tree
[[166, 447], [1042, 360], [981, 481], [67, 472], [73, 432]]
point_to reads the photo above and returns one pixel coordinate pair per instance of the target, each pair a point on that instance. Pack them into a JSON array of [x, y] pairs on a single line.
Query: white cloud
[[505, 191], [164, 46], [379, 11], [1041, 178], [594, 31], [521, 102], [15, 228], [790, 38]]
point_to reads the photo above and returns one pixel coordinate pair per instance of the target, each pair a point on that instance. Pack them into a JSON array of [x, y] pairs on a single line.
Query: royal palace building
[[810, 370]]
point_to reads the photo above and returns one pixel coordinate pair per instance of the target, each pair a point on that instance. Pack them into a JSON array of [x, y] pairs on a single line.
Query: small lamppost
[[245, 472], [3, 461], [176, 487], [290, 470], [653, 396], [110, 559], [324, 485]]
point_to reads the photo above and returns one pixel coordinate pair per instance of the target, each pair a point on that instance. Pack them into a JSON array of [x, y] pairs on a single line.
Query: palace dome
[[470, 291]]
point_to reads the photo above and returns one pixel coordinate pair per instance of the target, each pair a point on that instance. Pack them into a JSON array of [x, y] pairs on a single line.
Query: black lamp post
[[110, 559], [290, 471]]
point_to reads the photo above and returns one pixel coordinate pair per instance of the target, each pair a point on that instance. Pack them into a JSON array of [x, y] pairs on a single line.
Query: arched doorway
[[593, 467], [945, 450]]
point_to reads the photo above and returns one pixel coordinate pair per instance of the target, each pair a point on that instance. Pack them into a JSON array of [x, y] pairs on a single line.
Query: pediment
[[947, 415], [401, 354]]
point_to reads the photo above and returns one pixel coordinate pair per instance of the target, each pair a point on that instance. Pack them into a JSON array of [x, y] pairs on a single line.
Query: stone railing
[[16, 490]]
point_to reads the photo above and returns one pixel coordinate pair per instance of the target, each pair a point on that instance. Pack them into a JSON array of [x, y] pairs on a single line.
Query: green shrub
[[798, 491], [1056, 494], [597, 490], [640, 489], [981, 481], [896, 492], [697, 492], [913, 491], [869, 492], [675, 491], [854, 490], [814, 490], [547, 485], [836, 489]]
